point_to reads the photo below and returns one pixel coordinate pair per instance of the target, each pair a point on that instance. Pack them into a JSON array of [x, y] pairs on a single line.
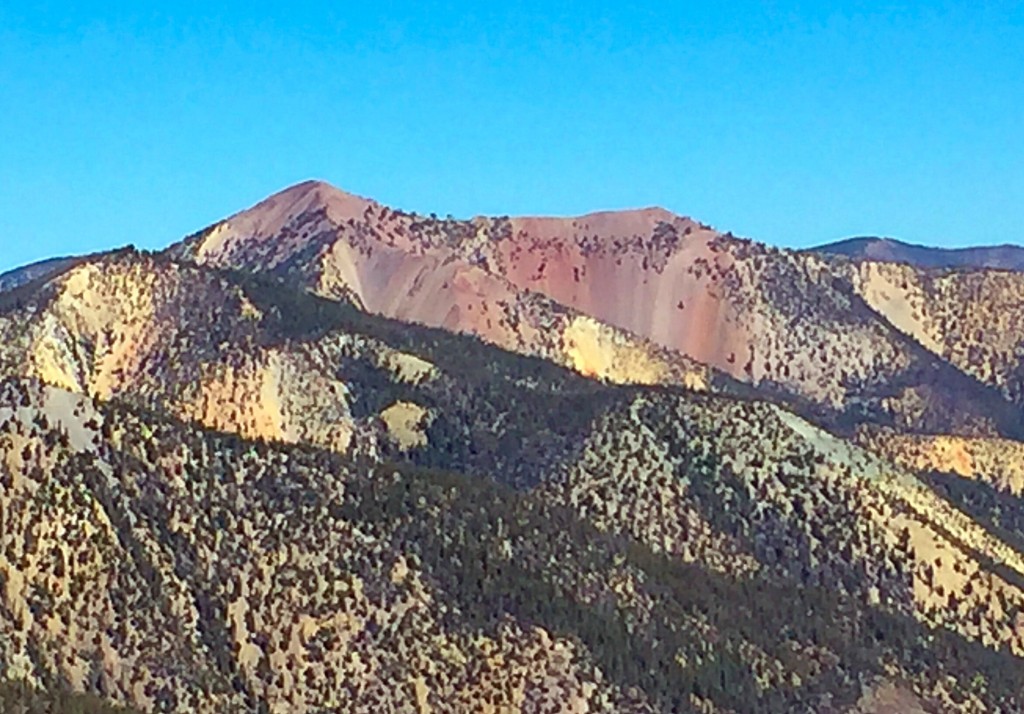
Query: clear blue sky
[[788, 122]]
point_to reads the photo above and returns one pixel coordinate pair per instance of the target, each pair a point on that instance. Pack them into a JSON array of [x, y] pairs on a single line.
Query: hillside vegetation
[[329, 456]]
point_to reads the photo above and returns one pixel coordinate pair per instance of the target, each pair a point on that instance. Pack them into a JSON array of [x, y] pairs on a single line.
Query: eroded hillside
[[785, 321], [265, 360]]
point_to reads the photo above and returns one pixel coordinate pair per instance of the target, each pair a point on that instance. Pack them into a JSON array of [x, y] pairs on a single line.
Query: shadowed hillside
[[888, 250]]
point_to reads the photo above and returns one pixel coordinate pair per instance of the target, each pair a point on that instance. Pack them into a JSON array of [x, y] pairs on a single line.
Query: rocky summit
[[328, 455]]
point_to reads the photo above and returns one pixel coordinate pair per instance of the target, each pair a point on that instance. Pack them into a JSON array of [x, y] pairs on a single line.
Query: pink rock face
[[650, 279], [443, 273], [273, 219], [629, 269], [649, 272]]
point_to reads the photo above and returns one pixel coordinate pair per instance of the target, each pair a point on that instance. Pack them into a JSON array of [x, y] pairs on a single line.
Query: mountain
[[327, 455], [781, 320], [889, 250], [184, 570], [221, 348], [381, 267], [19, 276]]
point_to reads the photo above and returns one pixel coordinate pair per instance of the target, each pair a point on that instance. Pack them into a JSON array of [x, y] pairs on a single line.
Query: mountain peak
[[284, 491], [648, 215], [646, 211], [892, 250], [318, 187], [312, 194], [606, 223], [267, 220]]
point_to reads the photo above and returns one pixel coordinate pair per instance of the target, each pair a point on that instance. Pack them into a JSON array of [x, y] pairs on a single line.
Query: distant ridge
[[27, 273], [889, 250]]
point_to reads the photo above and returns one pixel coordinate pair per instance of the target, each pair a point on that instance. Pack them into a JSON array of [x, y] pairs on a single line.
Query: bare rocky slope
[[327, 456], [793, 323]]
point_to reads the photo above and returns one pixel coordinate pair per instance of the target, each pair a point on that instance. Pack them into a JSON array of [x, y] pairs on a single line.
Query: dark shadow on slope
[[950, 391], [19, 697], [293, 314], [1001, 513], [456, 526]]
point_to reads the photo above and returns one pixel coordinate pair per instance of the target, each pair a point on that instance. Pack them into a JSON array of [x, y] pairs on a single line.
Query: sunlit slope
[[996, 462], [289, 579], [789, 322], [264, 359], [253, 358]]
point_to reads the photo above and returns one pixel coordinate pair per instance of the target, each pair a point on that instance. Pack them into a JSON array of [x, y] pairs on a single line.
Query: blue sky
[[788, 122]]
